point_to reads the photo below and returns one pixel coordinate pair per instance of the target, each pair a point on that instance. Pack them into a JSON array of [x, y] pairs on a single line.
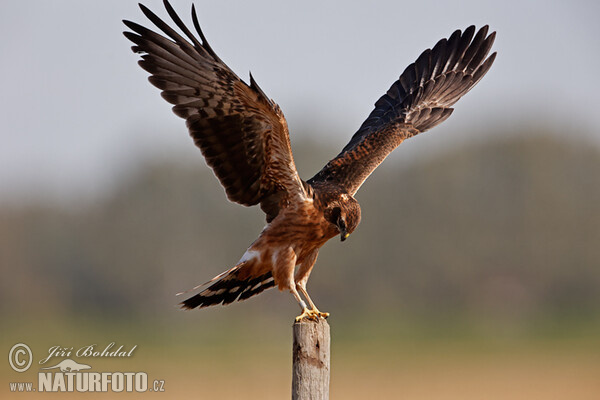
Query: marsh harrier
[[244, 138]]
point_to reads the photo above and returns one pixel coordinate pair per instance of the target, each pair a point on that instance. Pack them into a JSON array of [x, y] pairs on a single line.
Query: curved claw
[[312, 315]]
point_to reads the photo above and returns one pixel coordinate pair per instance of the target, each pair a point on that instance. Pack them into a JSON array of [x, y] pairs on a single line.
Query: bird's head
[[344, 213]]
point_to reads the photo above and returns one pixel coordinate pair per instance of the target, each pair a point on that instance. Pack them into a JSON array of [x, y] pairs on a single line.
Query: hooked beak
[[344, 235]]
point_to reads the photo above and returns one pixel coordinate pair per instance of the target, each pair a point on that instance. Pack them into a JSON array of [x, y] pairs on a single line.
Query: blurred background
[[475, 270]]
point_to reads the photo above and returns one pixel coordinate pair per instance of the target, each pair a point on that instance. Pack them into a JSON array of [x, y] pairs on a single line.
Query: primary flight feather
[[244, 138]]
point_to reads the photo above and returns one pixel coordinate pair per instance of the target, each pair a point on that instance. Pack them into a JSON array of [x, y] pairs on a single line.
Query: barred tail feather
[[230, 288]]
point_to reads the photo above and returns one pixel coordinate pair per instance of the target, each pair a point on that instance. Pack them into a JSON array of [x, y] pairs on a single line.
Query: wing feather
[[420, 99], [242, 134]]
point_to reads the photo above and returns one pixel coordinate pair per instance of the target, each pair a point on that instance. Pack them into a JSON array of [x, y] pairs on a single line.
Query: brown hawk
[[244, 138]]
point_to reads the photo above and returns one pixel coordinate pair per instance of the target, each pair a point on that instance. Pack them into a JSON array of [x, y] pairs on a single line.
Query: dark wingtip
[[470, 28], [168, 6], [205, 43], [130, 24], [144, 9], [492, 38], [255, 87]]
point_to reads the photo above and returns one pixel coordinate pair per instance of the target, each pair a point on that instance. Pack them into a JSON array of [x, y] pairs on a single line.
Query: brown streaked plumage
[[244, 137]]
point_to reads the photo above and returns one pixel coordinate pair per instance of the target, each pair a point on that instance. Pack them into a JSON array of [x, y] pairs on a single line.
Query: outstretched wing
[[241, 132], [418, 101]]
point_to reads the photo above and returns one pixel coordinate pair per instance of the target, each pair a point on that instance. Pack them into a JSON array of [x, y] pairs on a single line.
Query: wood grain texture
[[311, 360]]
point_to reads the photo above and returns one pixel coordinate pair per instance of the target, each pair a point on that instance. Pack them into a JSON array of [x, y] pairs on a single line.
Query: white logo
[[20, 357], [69, 366], [71, 376]]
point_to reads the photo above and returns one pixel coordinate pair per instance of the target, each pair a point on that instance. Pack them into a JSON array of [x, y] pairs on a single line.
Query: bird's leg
[[306, 313], [301, 286], [283, 274], [300, 279], [298, 299]]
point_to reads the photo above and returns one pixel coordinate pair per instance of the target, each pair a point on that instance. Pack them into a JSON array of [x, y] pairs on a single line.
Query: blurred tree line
[[507, 228]]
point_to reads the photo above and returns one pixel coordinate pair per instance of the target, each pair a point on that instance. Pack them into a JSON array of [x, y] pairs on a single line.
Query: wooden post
[[311, 360]]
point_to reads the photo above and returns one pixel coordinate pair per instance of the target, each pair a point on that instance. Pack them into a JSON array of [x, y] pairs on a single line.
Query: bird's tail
[[229, 286]]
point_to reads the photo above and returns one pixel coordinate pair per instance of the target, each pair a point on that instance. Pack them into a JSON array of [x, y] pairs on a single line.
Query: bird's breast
[[304, 229]]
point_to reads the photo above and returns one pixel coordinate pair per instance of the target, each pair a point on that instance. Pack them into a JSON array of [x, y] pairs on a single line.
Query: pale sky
[[76, 110]]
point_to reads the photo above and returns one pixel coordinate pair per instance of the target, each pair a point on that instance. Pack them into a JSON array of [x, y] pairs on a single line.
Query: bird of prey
[[244, 138]]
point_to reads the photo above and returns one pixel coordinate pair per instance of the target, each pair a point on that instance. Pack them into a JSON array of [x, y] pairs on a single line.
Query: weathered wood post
[[311, 360]]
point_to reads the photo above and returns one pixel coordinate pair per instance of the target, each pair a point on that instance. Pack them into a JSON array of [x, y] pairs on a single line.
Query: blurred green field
[[474, 275], [209, 356]]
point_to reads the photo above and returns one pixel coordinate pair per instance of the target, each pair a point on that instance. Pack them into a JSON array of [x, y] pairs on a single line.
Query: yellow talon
[[307, 314], [312, 315]]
